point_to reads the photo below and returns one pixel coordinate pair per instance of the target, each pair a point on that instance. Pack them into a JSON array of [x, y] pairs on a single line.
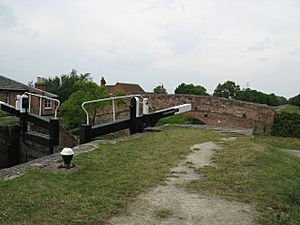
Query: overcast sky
[[155, 42]]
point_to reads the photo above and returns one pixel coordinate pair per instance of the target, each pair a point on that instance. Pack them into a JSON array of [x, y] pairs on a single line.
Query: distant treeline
[[231, 90], [64, 86]]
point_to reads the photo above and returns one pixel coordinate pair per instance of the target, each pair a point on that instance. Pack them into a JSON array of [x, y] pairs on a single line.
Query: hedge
[[286, 125]]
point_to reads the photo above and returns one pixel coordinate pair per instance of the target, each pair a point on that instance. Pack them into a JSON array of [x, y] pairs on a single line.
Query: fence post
[[85, 133]]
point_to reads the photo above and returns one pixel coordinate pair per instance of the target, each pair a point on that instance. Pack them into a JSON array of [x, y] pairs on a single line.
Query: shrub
[[286, 125], [3, 114]]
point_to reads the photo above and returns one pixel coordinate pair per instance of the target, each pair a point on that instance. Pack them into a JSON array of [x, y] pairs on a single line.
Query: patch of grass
[[109, 177], [8, 120], [288, 108], [279, 142], [178, 119], [163, 213], [252, 171]]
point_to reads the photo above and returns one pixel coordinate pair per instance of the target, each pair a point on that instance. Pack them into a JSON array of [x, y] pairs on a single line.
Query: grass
[[279, 142], [163, 213], [8, 120], [178, 119], [256, 171], [109, 177], [288, 108]]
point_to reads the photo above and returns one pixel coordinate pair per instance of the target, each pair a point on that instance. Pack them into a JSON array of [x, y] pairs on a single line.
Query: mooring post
[[85, 133]]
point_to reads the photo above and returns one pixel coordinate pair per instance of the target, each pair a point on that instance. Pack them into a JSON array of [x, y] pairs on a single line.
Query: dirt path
[[293, 152], [170, 204]]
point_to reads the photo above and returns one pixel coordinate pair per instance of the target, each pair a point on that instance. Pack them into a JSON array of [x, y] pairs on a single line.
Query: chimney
[[40, 83], [102, 82]]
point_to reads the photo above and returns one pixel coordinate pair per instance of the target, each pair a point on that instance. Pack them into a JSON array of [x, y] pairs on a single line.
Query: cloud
[[295, 52], [8, 18], [260, 46], [151, 42]]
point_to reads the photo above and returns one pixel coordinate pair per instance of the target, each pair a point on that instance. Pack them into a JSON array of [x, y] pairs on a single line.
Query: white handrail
[[4, 103], [105, 99], [46, 97]]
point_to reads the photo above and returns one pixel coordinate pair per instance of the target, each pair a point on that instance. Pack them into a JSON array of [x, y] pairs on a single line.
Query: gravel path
[[170, 204]]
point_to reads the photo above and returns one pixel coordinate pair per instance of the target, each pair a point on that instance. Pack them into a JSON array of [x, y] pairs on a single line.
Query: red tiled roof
[[125, 87]]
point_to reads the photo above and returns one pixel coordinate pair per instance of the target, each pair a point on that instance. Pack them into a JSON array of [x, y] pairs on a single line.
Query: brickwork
[[220, 112]]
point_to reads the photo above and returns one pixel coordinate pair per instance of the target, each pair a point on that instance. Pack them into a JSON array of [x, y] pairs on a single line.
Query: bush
[[3, 114], [286, 125], [71, 109]]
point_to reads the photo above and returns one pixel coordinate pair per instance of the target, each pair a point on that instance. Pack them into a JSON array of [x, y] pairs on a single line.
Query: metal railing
[[41, 103], [107, 99]]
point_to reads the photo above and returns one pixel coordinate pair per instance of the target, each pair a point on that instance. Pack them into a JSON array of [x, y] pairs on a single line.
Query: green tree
[[255, 96], [71, 109], [120, 102], [190, 89], [160, 90], [227, 90], [295, 100], [65, 85]]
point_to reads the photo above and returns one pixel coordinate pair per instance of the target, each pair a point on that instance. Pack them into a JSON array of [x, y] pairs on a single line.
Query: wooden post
[[54, 131], [132, 123], [85, 133]]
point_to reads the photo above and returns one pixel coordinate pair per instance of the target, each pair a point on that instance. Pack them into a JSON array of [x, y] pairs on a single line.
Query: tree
[[190, 89], [120, 102], [255, 96], [295, 100], [160, 90], [65, 85], [71, 109], [227, 90]]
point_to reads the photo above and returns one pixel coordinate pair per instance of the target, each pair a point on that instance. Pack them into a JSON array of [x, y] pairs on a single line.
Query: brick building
[[127, 88], [9, 89]]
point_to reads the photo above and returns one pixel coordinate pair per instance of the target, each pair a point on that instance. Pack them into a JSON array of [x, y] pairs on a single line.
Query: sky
[[255, 43]]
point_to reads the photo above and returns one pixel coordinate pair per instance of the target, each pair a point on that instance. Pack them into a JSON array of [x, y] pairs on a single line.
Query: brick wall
[[12, 96], [221, 112], [35, 106]]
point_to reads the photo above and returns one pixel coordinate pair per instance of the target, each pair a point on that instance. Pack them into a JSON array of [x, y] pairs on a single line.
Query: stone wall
[[9, 146], [220, 112]]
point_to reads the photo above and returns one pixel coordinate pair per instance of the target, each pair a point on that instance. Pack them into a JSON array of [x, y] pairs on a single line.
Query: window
[[48, 104], [5, 97]]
